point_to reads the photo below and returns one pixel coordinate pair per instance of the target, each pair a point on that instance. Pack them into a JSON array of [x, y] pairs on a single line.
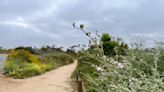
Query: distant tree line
[[46, 49]]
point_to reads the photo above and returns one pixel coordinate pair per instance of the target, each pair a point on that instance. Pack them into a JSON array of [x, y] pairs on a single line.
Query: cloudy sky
[[42, 22]]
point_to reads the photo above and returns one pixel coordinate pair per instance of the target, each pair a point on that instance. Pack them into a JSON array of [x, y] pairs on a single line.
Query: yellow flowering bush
[[22, 64]]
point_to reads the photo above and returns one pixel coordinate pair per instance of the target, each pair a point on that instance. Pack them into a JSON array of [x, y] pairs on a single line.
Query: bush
[[111, 47], [161, 63], [22, 64], [30, 49], [57, 59], [137, 71]]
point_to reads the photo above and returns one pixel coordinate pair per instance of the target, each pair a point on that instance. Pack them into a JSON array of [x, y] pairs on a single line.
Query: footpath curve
[[57, 80]]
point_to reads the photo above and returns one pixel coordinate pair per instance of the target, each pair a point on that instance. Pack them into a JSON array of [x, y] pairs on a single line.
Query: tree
[[30, 49], [113, 47]]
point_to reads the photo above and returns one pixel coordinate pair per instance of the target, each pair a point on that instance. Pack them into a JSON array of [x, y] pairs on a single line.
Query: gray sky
[[42, 22]]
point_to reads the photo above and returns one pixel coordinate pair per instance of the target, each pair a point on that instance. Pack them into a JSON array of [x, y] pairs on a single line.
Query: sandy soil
[[54, 81]]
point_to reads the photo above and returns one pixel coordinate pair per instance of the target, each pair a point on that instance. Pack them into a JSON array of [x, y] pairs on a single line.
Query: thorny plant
[[136, 72]]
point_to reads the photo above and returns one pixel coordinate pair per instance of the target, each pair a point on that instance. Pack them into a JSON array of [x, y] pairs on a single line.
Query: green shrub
[[32, 70], [111, 47], [57, 59], [138, 71], [22, 64], [161, 63]]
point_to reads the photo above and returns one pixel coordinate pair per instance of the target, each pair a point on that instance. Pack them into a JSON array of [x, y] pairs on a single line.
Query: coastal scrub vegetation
[[24, 62], [110, 65]]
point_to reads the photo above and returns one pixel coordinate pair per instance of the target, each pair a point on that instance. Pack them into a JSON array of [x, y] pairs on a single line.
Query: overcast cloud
[[42, 22]]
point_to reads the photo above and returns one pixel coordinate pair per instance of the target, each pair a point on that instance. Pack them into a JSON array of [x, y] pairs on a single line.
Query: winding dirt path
[[54, 81]]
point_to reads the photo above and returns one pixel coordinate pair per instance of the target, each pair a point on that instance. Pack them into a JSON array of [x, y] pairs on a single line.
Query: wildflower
[[133, 78], [120, 65], [104, 57], [99, 69], [130, 80]]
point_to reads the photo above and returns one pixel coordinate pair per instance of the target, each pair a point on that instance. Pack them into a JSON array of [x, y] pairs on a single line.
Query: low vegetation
[[21, 63], [109, 65], [56, 59]]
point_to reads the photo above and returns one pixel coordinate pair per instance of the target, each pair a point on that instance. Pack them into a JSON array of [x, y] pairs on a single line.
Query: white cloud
[[153, 35], [14, 23], [52, 9], [120, 4], [22, 23]]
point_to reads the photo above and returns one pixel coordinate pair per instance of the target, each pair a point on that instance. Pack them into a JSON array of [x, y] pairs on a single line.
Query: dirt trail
[[54, 81]]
